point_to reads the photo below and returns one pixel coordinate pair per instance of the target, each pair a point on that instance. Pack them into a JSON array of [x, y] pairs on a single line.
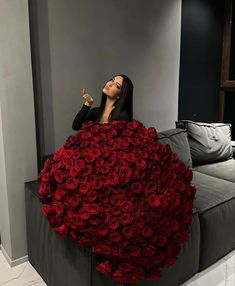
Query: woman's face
[[112, 88]]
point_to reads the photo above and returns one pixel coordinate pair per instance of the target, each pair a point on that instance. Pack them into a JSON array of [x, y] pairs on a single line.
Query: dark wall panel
[[201, 51]]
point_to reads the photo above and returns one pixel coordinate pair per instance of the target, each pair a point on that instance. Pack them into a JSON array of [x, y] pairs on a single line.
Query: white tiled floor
[[221, 273], [20, 275]]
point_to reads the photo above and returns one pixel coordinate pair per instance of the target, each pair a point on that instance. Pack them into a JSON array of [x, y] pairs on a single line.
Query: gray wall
[[83, 43], [18, 157]]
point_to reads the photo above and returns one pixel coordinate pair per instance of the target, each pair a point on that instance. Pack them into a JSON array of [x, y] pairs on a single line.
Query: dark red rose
[[136, 188], [102, 230], [91, 196], [89, 156], [126, 219], [74, 172], [153, 201], [111, 161], [115, 237], [84, 144], [113, 223], [95, 129], [94, 221], [125, 267], [135, 251], [117, 249], [79, 164], [134, 125], [126, 206], [101, 249], [104, 268], [45, 177], [84, 214], [94, 208], [61, 230], [149, 250], [147, 231], [85, 135], [43, 189], [73, 199], [127, 232], [127, 133], [84, 187], [71, 184]]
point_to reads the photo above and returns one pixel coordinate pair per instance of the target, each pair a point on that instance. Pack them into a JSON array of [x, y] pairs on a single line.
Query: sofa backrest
[[209, 142], [178, 140]]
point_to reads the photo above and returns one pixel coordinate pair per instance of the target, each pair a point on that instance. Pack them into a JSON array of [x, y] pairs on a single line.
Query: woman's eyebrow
[[117, 82]]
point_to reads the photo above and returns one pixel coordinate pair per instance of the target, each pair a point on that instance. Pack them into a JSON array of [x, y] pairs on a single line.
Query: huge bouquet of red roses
[[115, 188]]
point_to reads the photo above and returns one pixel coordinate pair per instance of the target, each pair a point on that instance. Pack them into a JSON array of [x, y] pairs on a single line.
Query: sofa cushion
[[215, 202], [224, 170], [209, 142], [178, 140]]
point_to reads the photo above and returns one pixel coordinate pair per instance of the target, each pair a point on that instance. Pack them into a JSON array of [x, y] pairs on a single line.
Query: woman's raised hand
[[88, 100]]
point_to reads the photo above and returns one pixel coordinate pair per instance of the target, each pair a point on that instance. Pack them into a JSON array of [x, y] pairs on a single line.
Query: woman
[[116, 103]]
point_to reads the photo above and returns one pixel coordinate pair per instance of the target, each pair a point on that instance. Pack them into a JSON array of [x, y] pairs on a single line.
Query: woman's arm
[[85, 114]]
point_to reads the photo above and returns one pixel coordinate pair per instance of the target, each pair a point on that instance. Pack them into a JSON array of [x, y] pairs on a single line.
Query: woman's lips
[[106, 87]]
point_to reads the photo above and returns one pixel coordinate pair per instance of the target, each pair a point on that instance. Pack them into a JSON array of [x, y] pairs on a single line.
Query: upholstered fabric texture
[[209, 142], [178, 141]]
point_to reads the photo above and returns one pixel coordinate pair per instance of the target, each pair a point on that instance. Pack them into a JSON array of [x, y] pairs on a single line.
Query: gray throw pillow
[[209, 142], [178, 141]]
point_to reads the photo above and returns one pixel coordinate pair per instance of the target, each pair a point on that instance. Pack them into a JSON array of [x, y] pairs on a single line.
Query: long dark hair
[[123, 103]]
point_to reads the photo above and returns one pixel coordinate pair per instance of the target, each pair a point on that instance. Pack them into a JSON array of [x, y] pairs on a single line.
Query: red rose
[[153, 201], [84, 144], [115, 236], [149, 250], [61, 230], [84, 187], [117, 249], [104, 268], [73, 199], [101, 249], [45, 177], [102, 230], [127, 133], [133, 125], [126, 206], [84, 214], [89, 156], [135, 251], [71, 183], [125, 267], [42, 189], [74, 171], [85, 135], [126, 219], [91, 196], [94, 208], [113, 223], [147, 231], [79, 164], [127, 232], [94, 221]]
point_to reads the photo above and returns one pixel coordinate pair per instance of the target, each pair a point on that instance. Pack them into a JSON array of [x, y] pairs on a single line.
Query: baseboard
[[14, 262]]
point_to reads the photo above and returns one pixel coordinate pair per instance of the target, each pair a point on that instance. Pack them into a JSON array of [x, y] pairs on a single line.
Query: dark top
[[87, 113]]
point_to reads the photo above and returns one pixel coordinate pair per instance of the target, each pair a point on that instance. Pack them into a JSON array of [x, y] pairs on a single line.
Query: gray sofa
[[61, 262]]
